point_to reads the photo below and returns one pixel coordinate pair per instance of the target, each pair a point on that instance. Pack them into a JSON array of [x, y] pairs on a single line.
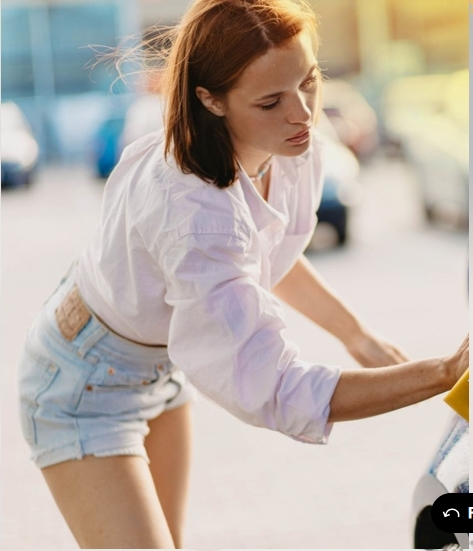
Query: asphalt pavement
[[252, 488]]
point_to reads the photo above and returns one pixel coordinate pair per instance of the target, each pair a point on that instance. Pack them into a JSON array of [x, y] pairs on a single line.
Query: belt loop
[[91, 340]]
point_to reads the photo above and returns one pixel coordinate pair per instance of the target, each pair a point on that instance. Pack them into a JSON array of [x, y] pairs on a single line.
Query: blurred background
[[392, 240], [397, 83]]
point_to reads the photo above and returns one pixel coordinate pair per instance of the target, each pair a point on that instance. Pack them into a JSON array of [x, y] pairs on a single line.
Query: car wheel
[[342, 235], [342, 229], [29, 178], [429, 213]]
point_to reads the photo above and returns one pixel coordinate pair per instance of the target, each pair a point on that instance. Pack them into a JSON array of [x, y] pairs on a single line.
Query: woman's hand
[[369, 350], [460, 361]]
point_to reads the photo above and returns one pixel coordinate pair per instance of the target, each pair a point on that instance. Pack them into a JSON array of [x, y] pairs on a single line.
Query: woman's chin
[[294, 150]]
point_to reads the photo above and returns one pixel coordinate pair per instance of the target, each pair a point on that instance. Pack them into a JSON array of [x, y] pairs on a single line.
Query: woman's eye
[[270, 106], [309, 82]]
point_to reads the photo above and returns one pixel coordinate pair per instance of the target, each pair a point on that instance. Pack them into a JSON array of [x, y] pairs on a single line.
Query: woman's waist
[[69, 325]]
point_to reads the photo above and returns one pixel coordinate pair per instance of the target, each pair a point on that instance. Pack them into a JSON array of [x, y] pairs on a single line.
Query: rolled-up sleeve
[[226, 334]]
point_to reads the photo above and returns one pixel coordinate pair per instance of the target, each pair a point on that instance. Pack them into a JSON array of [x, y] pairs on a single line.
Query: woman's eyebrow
[[274, 94], [269, 96]]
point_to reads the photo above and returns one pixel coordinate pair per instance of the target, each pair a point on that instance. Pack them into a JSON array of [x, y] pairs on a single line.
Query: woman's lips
[[299, 138]]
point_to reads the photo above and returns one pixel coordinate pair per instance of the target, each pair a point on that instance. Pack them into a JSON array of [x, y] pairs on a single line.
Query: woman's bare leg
[[169, 448], [110, 503]]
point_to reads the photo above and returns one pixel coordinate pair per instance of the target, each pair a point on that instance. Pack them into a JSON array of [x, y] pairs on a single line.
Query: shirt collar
[[265, 217]]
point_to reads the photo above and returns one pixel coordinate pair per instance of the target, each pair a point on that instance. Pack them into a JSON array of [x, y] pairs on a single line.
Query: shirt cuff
[[320, 430]]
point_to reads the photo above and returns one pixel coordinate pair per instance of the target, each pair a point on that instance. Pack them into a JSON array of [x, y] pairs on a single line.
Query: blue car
[[107, 145], [333, 210], [341, 189]]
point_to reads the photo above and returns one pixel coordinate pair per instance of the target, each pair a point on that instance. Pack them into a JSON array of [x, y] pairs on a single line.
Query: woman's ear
[[210, 102]]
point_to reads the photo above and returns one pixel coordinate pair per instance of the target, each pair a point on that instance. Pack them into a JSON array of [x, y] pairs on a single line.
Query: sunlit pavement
[[252, 488]]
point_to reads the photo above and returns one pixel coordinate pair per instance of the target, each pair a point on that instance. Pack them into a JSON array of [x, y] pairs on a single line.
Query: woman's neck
[[250, 159], [261, 171], [257, 165], [262, 185], [261, 177]]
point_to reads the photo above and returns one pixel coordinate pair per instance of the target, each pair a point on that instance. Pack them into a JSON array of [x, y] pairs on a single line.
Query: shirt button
[[160, 367], [111, 371], [89, 388]]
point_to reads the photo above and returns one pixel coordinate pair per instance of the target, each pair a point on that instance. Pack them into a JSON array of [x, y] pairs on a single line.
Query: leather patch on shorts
[[72, 315]]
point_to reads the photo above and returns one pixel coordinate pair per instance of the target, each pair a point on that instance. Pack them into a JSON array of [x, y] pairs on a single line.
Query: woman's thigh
[[110, 503], [169, 449]]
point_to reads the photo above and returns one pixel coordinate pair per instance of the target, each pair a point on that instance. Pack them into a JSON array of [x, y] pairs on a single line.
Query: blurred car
[[448, 472], [107, 146], [20, 150], [144, 115], [427, 116], [341, 190], [353, 118]]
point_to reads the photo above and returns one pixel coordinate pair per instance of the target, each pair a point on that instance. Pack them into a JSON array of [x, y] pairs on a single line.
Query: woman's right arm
[[227, 335], [369, 392]]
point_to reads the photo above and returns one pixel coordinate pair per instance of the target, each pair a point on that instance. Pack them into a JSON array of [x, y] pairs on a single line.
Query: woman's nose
[[300, 111]]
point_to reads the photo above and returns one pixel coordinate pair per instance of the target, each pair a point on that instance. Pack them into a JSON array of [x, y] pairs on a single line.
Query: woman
[[198, 226]]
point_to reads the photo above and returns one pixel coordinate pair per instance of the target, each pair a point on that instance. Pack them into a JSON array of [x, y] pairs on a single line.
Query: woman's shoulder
[[194, 206], [145, 143], [165, 202], [148, 171]]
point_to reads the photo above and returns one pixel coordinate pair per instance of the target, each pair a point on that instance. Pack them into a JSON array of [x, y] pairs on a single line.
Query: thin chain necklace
[[262, 171]]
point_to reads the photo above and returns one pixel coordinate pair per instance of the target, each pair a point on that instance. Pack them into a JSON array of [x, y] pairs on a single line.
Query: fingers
[[373, 351], [383, 357], [391, 356], [400, 356], [465, 351], [459, 362]]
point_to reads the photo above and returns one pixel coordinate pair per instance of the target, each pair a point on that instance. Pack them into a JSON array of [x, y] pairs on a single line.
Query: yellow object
[[458, 397]]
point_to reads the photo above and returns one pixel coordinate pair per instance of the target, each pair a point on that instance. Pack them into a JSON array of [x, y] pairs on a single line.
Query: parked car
[[448, 472], [341, 189], [353, 118], [144, 115], [20, 151], [427, 116], [107, 145]]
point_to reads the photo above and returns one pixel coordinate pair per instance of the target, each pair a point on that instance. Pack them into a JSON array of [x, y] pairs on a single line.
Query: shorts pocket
[[111, 391], [36, 375]]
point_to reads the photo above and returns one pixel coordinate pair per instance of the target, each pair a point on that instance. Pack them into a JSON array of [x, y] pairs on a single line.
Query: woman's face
[[274, 104]]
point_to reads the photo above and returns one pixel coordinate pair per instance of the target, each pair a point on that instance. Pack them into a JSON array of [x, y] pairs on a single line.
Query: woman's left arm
[[305, 290]]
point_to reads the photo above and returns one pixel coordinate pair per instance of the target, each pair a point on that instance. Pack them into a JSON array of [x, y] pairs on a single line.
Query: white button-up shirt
[[178, 261]]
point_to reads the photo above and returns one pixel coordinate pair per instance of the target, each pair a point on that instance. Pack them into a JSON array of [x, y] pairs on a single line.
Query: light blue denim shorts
[[92, 395]]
